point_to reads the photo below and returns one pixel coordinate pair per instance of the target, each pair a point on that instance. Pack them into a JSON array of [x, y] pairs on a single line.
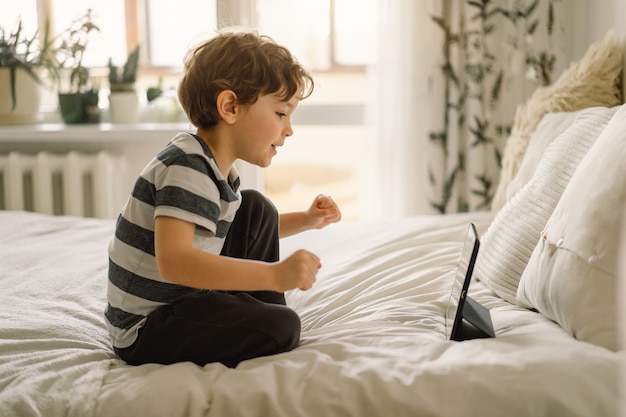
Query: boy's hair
[[242, 61]]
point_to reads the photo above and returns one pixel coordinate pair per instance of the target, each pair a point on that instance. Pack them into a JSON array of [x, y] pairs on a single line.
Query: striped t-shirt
[[182, 181]]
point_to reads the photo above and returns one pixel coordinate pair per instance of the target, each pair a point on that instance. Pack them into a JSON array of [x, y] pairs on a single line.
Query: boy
[[194, 271]]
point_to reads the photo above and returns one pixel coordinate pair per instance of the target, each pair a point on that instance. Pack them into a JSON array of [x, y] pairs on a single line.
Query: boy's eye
[[281, 115]]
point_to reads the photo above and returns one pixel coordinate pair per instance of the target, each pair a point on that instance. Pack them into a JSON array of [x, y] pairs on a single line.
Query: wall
[[591, 20]]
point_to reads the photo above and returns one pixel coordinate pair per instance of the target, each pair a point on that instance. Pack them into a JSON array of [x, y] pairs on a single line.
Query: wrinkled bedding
[[373, 339]]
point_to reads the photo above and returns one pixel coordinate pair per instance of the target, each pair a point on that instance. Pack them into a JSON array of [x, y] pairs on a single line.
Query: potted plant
[[79, 104], [25, 63], [124, 100]]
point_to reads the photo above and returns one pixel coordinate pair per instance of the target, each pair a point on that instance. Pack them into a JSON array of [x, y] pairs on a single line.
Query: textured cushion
[[511, 237], [595, 80], [551, 126], [572, 274]]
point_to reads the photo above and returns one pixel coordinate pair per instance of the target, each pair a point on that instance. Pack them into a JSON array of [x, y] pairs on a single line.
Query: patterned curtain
[[448, 80], [493, 55]]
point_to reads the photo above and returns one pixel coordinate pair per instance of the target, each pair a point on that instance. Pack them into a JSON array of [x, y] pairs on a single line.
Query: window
[[109, 42], [165, 28], [354, 31], [12, 10], [323, 34], [333, 38], [171, 30]]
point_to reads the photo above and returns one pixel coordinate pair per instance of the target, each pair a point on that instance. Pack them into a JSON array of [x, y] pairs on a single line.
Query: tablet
[[465, 317]]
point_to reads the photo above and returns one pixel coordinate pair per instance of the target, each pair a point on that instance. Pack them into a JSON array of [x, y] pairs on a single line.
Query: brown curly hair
[[245, 62]]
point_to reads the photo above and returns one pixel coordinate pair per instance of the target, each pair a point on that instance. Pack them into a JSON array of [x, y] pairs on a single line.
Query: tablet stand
[[476, 323]]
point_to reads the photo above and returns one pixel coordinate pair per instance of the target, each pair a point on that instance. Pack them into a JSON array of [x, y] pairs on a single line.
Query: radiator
[[73, 183]]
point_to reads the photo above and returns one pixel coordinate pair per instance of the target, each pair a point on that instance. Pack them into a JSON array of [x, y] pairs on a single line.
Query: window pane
[[108, 15], [175, 26], [13, 10], [355, 31], [303, 26]]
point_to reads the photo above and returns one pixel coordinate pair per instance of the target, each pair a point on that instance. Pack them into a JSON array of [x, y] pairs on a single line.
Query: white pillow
[[551, 126], [572, 274], [512, 236]]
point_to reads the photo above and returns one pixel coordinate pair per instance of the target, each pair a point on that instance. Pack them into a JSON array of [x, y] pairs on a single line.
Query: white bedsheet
[[373, 339]]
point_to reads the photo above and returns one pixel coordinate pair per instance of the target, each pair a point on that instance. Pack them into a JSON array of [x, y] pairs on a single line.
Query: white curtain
[[438, 135]]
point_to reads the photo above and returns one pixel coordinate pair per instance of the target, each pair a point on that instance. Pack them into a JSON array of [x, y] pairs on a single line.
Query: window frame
[[229, 13]]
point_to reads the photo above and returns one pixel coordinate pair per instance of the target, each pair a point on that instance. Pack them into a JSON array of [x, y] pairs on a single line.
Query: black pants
[[226, 327]]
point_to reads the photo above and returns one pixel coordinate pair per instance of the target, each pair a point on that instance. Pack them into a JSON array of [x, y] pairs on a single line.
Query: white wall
[[592, 19]]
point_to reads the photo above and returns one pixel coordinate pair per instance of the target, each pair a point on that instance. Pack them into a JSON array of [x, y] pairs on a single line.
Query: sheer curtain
[[449, 77]]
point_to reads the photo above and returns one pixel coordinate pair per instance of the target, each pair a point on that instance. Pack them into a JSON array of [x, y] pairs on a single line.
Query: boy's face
[[262, 127]]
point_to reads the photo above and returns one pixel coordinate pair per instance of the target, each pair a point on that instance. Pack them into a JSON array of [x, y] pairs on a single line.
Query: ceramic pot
[[124, 106], [79, 107], [28, 98]]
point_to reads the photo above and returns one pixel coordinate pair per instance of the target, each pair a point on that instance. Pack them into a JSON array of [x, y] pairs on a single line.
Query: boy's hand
[[323, 211], [297, 271]]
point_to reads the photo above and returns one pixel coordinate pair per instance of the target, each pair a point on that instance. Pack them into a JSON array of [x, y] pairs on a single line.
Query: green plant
[[27, 53], [123, 78], [71, 50], [43, 51], [152, 93]]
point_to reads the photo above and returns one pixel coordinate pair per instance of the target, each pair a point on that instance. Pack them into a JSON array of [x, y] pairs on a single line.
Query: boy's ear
[[227, 106]]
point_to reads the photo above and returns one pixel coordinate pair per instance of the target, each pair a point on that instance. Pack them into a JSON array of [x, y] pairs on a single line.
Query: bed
[[373, 327]]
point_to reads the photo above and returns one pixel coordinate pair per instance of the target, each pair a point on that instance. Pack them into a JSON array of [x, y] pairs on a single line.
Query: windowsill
[[66, 132], [51, 128], [59, 137]]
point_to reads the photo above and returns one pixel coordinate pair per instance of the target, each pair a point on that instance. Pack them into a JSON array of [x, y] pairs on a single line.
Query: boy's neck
[[220, 154]]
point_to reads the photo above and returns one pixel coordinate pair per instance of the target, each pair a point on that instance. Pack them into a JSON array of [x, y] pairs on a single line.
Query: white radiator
[[73, 183]]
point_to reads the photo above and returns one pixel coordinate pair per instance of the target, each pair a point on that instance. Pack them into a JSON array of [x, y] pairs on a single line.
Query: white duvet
[[373, 339]]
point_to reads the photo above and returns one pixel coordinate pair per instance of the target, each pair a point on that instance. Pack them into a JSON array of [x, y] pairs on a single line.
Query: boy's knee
[[256, 202], [261, 213], [288, 331]]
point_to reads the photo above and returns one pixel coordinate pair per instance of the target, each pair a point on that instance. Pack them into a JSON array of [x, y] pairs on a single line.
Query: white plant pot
[[124, 107], [28, 98]]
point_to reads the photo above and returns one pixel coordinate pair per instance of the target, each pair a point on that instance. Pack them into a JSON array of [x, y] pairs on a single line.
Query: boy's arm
[[322, 212], [179, 262]]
